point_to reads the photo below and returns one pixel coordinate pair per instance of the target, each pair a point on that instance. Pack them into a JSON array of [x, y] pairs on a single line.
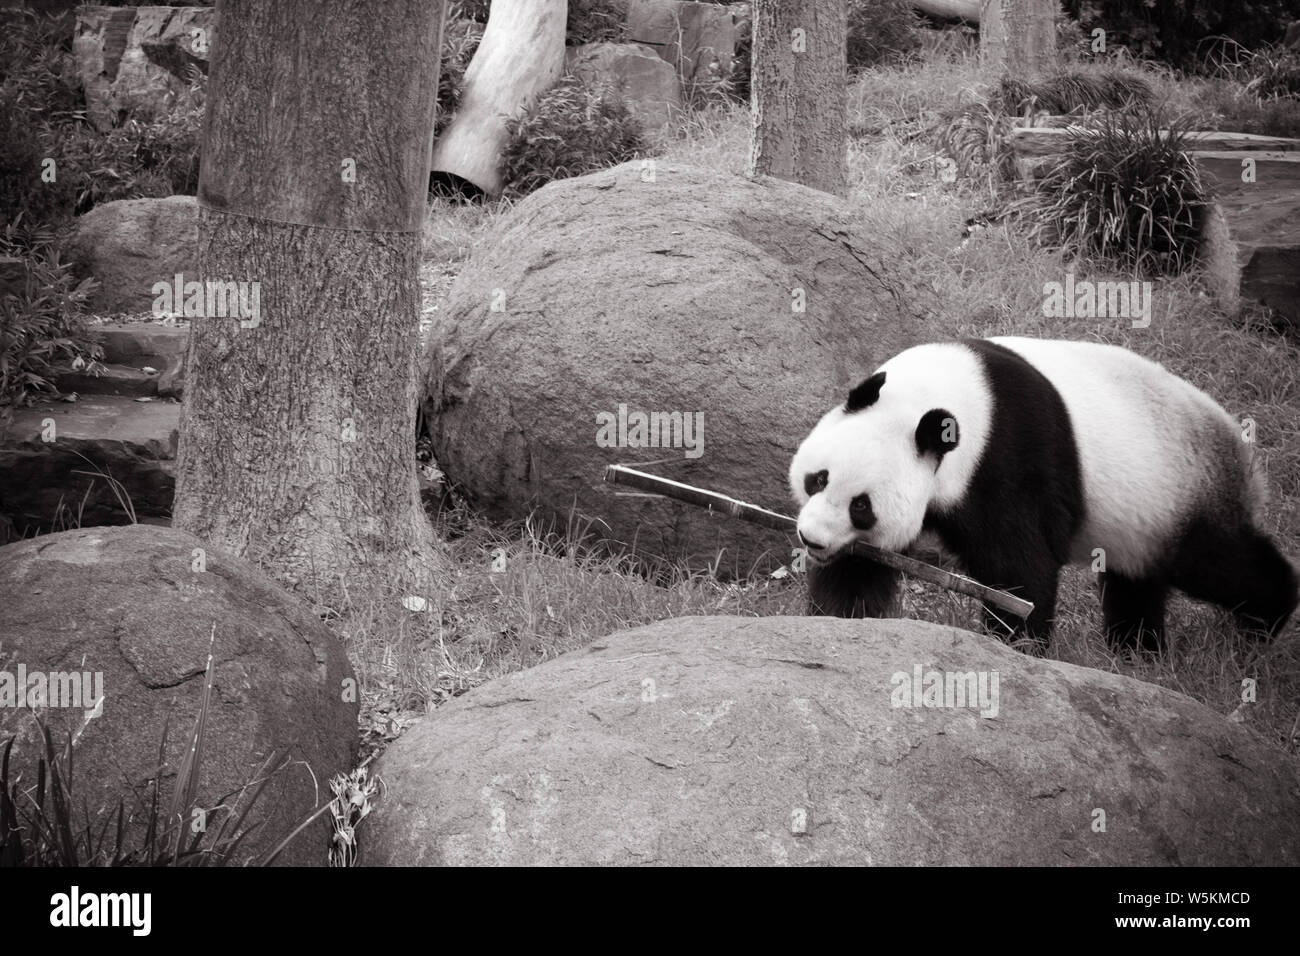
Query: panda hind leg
[[852, 586], [1134, 612], [1241, 570]]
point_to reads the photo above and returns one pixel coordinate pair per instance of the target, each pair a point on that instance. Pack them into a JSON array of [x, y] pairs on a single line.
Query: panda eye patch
[[861, 514], [814, 482]]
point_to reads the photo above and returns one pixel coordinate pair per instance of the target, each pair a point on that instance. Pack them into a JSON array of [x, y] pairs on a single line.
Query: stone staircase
[[107, 456]]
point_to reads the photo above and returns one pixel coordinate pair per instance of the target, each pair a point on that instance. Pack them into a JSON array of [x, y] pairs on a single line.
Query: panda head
[[867, 470]]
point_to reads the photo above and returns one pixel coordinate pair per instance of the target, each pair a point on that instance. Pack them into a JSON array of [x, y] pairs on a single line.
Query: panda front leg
[[1035, 578], [852, 586], [1133, 611]]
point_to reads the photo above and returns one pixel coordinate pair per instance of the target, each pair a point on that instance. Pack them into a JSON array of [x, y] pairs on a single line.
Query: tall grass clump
[[880, 31], [572, 129], [42, 325], [40, 825], [1123, 190]]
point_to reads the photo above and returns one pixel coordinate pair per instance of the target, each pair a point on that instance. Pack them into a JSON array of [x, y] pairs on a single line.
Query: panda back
[[1154, 451]]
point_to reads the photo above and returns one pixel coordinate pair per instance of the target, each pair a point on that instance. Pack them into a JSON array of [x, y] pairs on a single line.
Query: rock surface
[[719, 741], [646, 83], [1251, 239], [132, 59], [128, 603], [691, 36], [61, 481], [669, 289], [130, 244]]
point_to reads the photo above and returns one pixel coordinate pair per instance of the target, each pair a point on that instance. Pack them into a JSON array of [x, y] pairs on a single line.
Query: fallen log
[[520, 56]]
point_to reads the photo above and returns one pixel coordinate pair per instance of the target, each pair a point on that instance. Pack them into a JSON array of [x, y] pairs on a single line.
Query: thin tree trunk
[[297, 439], [1018, 37], [799, 92]]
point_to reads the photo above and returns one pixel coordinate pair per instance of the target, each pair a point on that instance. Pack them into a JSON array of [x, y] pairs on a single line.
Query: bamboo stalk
[[732, 507]]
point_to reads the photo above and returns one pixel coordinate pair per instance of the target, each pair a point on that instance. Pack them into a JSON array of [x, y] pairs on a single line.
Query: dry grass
[[549, 595]]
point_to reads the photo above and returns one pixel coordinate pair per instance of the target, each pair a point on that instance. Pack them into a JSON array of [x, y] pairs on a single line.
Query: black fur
[[1024, 504], [865, 394], [852, 586], [1014, 527], [937, 433]]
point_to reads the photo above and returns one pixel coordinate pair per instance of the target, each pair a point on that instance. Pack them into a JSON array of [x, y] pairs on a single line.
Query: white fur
[[875, 449], [1143, 436]]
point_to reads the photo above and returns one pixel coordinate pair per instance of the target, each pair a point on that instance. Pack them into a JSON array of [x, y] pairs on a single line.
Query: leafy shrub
[[22, 153], [460, 40], [42, 116], [1123, 189], [1072, 91], [976, 133], [881, 30], [1173, 30], [571, 129], [37, 69], [42, 325], [594, 20]]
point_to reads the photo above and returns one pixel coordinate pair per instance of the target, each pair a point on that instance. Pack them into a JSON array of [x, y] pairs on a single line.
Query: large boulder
[[716, 741], [133, 60], [130, 244], [751, 307], [647, 85], [138, 605]]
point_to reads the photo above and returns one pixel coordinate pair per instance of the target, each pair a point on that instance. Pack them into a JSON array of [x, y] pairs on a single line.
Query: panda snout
[[811, 545]]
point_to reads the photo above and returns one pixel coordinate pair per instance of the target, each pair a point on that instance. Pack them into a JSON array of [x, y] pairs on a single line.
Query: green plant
[[881, 30], [591, 21], [570, 130], [1072, 91], [1124, 189], [42, 324], [40, 827], [1173, 30]]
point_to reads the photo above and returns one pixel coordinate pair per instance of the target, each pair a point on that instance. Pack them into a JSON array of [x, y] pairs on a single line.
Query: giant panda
[[1023, 455]]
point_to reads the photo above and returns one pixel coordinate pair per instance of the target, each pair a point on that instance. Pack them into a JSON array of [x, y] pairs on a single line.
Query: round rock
[[729, 313], [718, 740], [130, 612]]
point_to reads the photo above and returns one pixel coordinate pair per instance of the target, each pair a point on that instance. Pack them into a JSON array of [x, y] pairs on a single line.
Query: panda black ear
[[865, 394], [937, 434]]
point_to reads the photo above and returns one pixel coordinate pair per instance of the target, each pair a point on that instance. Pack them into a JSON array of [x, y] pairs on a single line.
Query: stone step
[[50, 484], [108, 379], [146, 344]]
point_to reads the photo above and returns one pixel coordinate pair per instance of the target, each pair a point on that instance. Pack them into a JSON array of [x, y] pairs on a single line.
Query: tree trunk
[[1018, 37], [297, 438], [798, 90], [520, 56]]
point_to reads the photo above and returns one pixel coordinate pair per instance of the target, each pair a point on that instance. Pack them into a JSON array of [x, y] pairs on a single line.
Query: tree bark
[[1018, 37], [520, 56], [798, 91], [297, 438]]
